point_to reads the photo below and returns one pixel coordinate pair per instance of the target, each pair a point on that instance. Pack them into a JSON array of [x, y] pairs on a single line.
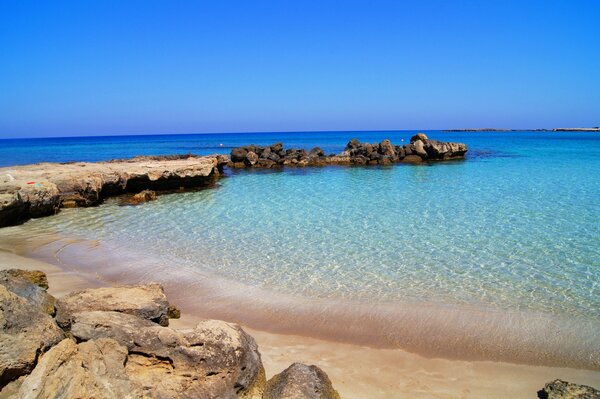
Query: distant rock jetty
[[420, 149], [114, 342], [558, 129]]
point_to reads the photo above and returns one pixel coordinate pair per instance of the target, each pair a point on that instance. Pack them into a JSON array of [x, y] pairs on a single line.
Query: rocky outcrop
[[42, 189], [420, 149], [26, 328], [300, 381], [117, 344], [147, 302], [213, 360], [559, 389]]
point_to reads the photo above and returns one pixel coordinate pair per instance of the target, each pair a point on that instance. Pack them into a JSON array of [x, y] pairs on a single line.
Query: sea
[[496, 256]]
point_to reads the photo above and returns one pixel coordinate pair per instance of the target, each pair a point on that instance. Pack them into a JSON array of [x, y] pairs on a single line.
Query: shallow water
[[514, 228]]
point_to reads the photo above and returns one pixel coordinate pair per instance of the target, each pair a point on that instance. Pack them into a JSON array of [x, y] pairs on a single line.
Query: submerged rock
[[145, 301], [300, 381], [559, 389], [142, 196]]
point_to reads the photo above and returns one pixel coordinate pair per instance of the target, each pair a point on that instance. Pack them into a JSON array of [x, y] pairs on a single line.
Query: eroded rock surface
[[300, 381], [215, 358], [147, 301], [559, 389], [41, 189], [93, 369], [26, 331]]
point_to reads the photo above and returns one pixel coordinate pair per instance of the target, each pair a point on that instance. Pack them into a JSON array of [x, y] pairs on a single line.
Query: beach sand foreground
[[359, 371]]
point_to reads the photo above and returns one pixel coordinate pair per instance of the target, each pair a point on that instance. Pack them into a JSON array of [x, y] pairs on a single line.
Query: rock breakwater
[[420, 149]]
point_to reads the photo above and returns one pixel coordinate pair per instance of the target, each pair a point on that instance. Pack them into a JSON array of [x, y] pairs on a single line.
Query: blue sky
[[147, 67]]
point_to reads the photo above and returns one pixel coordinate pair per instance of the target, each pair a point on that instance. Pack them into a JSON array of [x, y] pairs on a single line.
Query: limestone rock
[[146, 301], [25, 332], [559, 389], [30, 285], [93, 369], [213, 360], [412, 159], [300, 381], [419, 137], [41, 189]]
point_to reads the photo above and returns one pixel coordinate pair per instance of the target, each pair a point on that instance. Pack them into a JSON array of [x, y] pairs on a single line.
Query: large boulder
[[93, 369], [300, 381], [559, 389], [386, 148], [213, 360], [238, 154], [31, 285], [145, 301], [419, 137], [26, 331], [445, 150], [419, 149]]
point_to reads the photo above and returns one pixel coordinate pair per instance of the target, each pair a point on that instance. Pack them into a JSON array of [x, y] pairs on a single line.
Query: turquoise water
[[514, 227]]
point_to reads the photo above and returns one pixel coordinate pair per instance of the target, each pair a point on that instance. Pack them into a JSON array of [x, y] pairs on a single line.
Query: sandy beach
[[360, 371]]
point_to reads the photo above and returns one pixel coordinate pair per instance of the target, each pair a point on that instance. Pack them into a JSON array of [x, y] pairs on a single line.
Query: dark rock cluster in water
[[420, 149]]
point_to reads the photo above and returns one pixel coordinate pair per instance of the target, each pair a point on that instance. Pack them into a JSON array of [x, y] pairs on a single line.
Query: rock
[[420, 149], [238, 154], [418, 137], [300, 381], [143, 196], [31, 285], [251, 158], [444, 151], [93, 369], [412, 159], [213, 360], [25, 332], [316, 152], [173, 312], [353, 144], [41, 189], [559, 389], [277, 147], [386, 148], [145, 301]]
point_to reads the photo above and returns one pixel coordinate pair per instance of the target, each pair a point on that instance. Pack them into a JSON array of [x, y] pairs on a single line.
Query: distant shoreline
[[560, 129]]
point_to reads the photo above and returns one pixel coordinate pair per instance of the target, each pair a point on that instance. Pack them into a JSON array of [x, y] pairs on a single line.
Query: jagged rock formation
[[42, 189], [26, 328], [559, 389], [116, 343], [420, 149]]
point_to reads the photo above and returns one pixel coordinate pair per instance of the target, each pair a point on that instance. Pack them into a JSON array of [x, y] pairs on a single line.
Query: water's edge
[[453, 332]]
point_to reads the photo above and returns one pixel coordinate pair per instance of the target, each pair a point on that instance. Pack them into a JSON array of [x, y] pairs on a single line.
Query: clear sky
[[133, 67]]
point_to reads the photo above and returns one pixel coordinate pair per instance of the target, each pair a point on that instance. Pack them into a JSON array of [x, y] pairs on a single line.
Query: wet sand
[[359, 371]]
